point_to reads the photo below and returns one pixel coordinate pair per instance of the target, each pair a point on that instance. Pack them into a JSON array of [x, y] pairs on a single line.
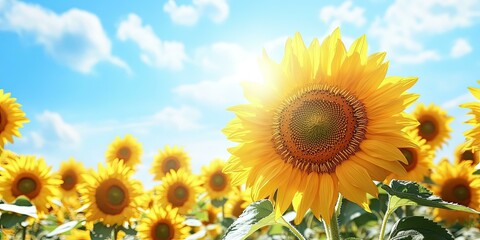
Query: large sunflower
[[419, 161], [217, 183], [112, 196], [325, 121], [163, 224], [12, 118], [434, 124], [71, 172], [464, 153], [474, 133], [32, 178], [457, 184], [179, 190], [170, 158], [128, 149]]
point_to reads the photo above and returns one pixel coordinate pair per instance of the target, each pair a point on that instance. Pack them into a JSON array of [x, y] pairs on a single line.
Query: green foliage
[[13, 214], [101, 231], [255, 216], [64, 228], [219, 202], [417, 227]]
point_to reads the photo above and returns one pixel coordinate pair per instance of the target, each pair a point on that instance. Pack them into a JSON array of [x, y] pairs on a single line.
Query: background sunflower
[[171, 158], [127, 149], [71, 172], [163, 224], [464, 153], [179, 189], [215, 181], [12, 118], [434, 124]]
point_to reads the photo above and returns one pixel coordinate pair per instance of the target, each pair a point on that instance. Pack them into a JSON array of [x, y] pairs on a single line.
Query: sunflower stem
[[24, 233], [384, 223], [116, 229], [333, 227], [292, 228]]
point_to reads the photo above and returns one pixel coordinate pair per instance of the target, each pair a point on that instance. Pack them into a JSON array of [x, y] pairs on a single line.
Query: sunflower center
[[467, 155], [177, 195], [111, 196], [69, 180], [170, 164], [457, 191], [218, 181], [411, 157], [3, 120], [124, 153], [427, 129], [163, 232], [461, 193], [318, 127], [26, 185]]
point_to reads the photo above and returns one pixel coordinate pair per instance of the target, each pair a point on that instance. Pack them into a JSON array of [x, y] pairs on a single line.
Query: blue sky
[[165, 71]]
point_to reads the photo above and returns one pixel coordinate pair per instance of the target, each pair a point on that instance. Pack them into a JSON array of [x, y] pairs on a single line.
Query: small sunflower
[[457, 184], [111, 195], [7, 156], [170, 158], [32, 178], [179, 190], [325, 121], [419, 161], [434, 125], [12, 118], [464, 153], [127, 149], [237, 202], [211, 224], [217, 183], [163, 224], [71, 172], [473, 134]]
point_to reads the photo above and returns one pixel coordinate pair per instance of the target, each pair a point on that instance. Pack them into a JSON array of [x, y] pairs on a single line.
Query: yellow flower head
[[171, 158], [434, 125], [163, 224], [12, 118], [325, 121], [7, 156], [77, 234], [473, 134], [237, 202], [111, 195], [216, 182], [32, 178], [179, 190], [419, 161], [464, 153], [127, 149], [71, 172], [457, 184]]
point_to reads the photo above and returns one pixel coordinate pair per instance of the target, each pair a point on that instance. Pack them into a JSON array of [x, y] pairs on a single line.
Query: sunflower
[[179, 190], [7, 156], [419, 161], [111, 195], [71, 172], [217, 183], [170, 158], [434, 124], [472, 134], [464, 153], [32, 178], [127, 149], [163, 224], [325, 121], [457, 184], [211, 226], [237, 202], [12, 118], [77, 234]]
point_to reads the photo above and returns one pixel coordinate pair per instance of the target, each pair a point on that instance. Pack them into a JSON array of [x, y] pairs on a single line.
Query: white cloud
[[55, 129], [455, 102], [189, 14], [403, 23], [334, 16], [37, 139], [183, 118], [75, 38], [154, 51], [460, 48]]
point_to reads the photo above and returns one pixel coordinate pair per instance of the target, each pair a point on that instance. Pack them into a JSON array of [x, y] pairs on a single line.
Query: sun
[[420, 161], [179, 190], [12, 118], [128, 149], [434, 124], [325, 121], [457, 184], [111, 195], [464, 153], [217, 183], [163, 224], [71, 172], [30, 177], [171, 158]]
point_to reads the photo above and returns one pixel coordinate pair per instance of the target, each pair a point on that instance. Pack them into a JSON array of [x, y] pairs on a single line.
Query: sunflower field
[[324, 148]]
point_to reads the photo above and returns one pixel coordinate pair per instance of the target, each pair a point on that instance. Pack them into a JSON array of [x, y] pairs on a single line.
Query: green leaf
[[219, 202], [10, 220], [64, 228], [254, 217], [227, 222], [417, 227], [17, 212], [101, 232], [405, 193], [129, 231]]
